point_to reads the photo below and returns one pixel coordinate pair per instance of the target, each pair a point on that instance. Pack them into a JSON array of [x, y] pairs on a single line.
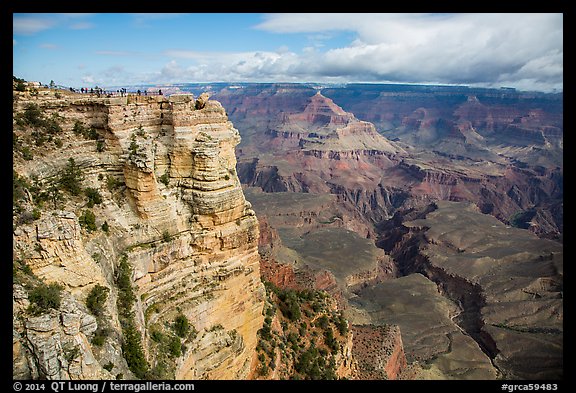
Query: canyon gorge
[[277, 231]]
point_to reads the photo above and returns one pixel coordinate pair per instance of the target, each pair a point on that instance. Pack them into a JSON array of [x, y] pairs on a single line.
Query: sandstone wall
[[178, 215]]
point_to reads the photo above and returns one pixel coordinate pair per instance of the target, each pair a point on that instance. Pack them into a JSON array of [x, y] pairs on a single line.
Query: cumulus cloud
[[515, 50], [439, 48], [252, 66]]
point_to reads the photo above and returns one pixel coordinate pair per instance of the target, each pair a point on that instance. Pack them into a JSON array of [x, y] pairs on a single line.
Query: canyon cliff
[[322, 175], [383, 247], [500, 149], [166, 233]]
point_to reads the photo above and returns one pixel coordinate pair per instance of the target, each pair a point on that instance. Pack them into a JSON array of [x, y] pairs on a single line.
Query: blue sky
[[493, 50]]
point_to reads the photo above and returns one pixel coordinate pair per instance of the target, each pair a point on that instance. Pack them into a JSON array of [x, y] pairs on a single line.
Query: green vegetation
[[133, 352], [175, 347], [21, 272], [308, 342], [165, 179], [93, 195], [112, 183], [140, 132], [157, 336], [89, 133], [32, 116], [19, 186], [44, 297], [20, 84], [95, 302], [43, 129], [161, 371], [26, 153], [181, 325], [133, 148], [105, 227], [100, 145], [169, 345], [71, 352], [88, 220], [341, 324], [96, 299], [132, 342], [312, 364], [166, 237], [71, 178]]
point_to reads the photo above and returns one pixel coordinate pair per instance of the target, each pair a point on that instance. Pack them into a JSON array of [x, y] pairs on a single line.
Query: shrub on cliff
[[20, 84], [44, 297], [33, 116], [289, 305], [96, 299], [132, 342], [86, 132], [94, 197], [341, 324], [181, 325], [88, 220], [126, 295], [312, 364], [132, 351], [175, 347], [71, 178]]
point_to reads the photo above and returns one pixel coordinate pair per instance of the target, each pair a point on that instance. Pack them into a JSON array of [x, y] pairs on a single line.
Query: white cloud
[[515, 50], [31, 25], [451, 48]]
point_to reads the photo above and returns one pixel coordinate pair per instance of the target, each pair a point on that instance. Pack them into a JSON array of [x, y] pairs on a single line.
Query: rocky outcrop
[[174, 210], [379, 352], [506, 283], [54, 345]]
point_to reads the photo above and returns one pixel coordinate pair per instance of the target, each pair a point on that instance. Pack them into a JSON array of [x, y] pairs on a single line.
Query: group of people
[[121, 92]]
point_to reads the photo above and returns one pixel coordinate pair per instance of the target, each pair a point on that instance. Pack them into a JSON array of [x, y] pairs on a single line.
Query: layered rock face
[[324, 149], [379, 352], [54, 345], [506, 283], [176, 214], [501, 150]]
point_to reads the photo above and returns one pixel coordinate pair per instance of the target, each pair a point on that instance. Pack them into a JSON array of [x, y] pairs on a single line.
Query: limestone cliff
[[171, 209]]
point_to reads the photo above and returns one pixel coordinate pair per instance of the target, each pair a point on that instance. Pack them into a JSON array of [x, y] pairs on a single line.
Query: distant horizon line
[[408, 84]]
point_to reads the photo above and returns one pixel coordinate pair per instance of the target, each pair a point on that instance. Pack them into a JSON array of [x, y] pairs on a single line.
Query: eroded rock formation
[[174, 211]]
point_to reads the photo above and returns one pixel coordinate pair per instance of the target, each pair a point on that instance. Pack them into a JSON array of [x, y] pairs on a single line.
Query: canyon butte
[[288, 231]]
